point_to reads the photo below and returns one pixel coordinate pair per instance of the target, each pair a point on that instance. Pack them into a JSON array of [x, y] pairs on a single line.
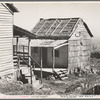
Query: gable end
[[10, 7], [88, 29]]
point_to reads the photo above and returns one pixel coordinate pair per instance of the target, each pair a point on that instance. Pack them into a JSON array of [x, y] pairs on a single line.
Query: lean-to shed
[[6, 35]]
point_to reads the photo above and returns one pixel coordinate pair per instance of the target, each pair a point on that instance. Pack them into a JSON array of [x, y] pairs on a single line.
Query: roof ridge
[[61, 18]]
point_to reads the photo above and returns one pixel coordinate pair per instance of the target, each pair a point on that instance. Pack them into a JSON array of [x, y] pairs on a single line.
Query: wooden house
[[6, 35], [62, 43]]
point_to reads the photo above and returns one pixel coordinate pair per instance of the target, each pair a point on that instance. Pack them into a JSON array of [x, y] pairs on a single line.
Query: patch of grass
[[15, 88]]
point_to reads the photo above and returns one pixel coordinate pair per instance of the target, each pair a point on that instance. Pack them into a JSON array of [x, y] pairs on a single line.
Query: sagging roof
[[40, 42], [46, 42], [57, 28], [20, 32]]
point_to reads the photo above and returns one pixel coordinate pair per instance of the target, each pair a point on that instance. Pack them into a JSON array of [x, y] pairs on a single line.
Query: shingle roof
[[55, 28]]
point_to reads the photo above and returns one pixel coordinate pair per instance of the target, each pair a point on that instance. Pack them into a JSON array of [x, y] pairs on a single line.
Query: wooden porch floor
[[50, 69]]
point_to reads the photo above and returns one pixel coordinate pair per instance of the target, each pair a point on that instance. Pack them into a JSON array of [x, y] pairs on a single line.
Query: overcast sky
[[30, 13]]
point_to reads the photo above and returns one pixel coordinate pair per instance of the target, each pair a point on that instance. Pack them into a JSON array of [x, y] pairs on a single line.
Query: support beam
[[59, 46], [18, 68], [23, 52], [53, 59], [29, 59], [41, 64], [16, 45], [29, 52]]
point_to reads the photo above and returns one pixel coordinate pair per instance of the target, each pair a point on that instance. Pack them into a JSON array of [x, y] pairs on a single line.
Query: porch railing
[[32, 65]]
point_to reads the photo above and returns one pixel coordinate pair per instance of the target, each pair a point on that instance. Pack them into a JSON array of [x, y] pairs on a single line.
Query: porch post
[[16, 45], [41, 63], [53, 59], [18, 59], [29, 59], [23, 52], [29, 52]]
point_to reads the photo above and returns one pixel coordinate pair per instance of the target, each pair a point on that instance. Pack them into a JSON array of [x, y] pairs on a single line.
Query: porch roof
[[46, 42], [42, 42]]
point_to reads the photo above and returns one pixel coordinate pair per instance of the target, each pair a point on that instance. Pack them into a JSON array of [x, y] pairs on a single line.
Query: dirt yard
[[72, 85]]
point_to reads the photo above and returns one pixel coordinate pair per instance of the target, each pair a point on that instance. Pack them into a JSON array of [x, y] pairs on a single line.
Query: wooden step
[[62, 74], [22, 52], [15, 64]]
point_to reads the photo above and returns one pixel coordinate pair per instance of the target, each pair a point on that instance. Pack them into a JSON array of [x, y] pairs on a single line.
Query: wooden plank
[[5, 53], [6, 40], [5, 64], [5, 16], [6, 20], [5, 67], [4, 26], [9, 15], [6, 34], [6, 29], [5, 61], [5, 43], [5, 57], [5, 13], [7, 71]]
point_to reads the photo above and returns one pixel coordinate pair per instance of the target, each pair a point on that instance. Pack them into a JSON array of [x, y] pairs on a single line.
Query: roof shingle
[[56, 28]]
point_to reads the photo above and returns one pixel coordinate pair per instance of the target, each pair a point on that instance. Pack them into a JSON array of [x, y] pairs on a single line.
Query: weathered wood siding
[[79, 48], [61, 61], [6, 35]]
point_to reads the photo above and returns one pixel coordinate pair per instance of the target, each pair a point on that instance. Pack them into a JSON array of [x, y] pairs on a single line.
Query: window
[[35, 50], [56, 53]]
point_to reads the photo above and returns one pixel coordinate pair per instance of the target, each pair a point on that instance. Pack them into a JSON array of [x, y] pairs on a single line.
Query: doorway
[[44, 57]]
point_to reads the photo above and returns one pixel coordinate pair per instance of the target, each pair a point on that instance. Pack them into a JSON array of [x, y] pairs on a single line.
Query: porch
[[29, 61]]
